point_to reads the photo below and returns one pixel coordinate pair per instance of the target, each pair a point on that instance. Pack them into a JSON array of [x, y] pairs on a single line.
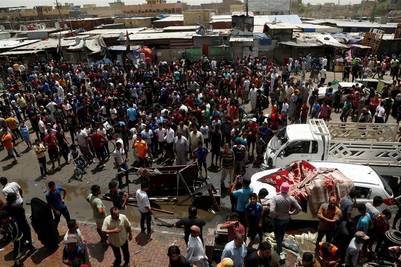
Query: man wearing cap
[[354, 248], [282, 207]]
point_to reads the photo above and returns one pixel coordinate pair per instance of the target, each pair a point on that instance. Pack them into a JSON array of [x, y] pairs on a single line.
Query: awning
[[20, 52], [93, 45], [328, 40], [359, 46], [301, 44], [122, 48], [77, 46]]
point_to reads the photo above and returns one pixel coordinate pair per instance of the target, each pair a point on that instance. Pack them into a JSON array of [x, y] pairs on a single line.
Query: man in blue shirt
[[235, 250], [132, 116], [201, 154], [365, 219], [254, 218], [242, 199], [55, 198]]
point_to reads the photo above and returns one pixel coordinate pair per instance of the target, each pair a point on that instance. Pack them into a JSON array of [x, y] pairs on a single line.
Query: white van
[[366, 181]]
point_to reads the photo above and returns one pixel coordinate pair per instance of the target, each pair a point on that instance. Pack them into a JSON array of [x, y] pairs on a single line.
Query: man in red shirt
[[233, 226], [51, 143], [98, 141]]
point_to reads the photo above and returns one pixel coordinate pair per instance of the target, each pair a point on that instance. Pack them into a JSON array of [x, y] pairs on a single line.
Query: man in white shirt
[[195, 252], [118, 228], [324, 63], [144, 208], [83, 143], [170, 134], [380, 113], [354, 248], [160, 133], [195, 137], [12, 187], [42, 128], [120, 162]]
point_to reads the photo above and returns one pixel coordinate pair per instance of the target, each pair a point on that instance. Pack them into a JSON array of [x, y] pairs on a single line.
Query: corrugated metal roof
[[110, 33], [318, 28], [359, 46], [308, 38], [329, 40], [46, 44], [181, 28], [262, 19], [352, 23], [162, 35], [281, 26], [235, 39], [122, 47], [301, 44], [172, 17], [220, 18]]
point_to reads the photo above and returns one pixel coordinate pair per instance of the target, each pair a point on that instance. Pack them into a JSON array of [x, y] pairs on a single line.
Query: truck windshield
[[279, 139]]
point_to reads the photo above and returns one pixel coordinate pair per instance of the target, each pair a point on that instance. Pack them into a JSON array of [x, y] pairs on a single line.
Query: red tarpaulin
[[309, 184], [295, 173]]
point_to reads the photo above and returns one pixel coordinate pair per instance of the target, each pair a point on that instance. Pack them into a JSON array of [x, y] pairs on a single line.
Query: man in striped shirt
[[227, 165]]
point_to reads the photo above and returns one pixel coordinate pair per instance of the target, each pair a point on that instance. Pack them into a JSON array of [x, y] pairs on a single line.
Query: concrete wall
[[134, 22], [197, 17], [167, 54]]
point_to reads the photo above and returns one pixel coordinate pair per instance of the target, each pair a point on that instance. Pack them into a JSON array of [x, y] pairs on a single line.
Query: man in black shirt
[[192, 219], [263, 257], [117, 196]]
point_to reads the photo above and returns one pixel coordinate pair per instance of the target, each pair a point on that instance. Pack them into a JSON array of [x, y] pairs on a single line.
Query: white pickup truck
[[355, 143], [367, 183]]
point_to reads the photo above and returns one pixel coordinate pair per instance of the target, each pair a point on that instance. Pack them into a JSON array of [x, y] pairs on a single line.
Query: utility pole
[[59, 14]]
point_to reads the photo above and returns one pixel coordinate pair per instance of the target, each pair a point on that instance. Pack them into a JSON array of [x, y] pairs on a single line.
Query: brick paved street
[[143, 253]]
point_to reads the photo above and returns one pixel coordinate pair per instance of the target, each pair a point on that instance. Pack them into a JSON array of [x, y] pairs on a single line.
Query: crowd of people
[[175, 112]]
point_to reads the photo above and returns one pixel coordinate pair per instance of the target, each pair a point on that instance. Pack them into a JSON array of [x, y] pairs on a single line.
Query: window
[[297, 147], [362, 192], [314, 147]]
